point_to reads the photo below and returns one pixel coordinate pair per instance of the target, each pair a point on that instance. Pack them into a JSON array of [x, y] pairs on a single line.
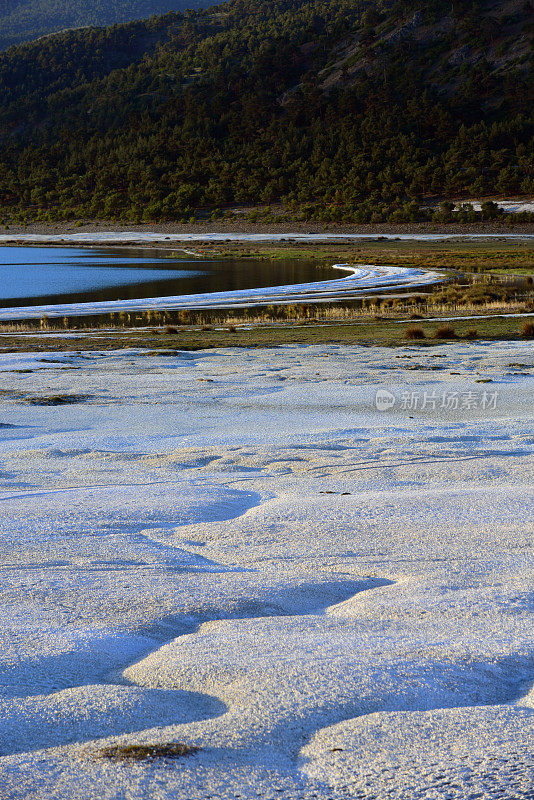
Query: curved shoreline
[[362, 280]]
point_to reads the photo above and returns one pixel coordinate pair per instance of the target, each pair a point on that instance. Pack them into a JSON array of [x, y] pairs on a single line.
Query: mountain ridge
[[28, 20]]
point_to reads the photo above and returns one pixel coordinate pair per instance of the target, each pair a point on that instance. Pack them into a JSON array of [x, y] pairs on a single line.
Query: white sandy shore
[[150, 237], [508, 206], [236, 549], [147, 237]]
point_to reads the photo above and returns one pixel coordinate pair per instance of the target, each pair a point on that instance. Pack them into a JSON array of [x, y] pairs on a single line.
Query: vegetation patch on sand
[[146, 752], [45, 400]]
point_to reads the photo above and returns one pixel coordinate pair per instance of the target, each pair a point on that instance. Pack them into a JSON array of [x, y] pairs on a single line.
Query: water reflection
[[39, 275]]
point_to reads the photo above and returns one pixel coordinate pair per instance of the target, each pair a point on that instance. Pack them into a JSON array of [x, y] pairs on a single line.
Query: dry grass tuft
[[445, 332], [414, 333], [527, 330]]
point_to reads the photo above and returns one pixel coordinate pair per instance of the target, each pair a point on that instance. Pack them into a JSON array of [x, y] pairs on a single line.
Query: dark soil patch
[[146, 752]]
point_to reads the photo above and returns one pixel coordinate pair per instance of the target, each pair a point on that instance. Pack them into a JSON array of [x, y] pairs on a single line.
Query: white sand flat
[[238, 550]]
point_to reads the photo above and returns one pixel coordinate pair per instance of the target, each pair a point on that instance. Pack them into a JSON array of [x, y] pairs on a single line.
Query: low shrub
[[445, 332], [414, 333]]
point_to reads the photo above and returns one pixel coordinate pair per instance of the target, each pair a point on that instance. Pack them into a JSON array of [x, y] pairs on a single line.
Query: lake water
[[37, 275]]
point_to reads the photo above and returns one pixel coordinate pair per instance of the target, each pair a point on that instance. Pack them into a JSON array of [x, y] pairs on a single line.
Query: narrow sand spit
[[240, 551]]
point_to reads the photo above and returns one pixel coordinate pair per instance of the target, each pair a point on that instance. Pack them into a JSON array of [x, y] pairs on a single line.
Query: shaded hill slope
[[25, 20], [351, 110]]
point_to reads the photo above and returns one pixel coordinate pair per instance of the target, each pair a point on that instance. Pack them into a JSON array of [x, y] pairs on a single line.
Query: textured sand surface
[[238, 550]]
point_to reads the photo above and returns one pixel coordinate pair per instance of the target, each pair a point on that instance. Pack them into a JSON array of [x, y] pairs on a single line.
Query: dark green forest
[[25, 20], [353, 110]]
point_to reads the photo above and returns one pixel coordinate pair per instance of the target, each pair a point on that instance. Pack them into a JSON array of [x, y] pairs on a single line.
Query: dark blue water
[[37, 275]]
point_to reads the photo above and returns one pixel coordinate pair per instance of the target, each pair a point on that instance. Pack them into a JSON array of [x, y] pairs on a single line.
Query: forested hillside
[[25, 20], [348, 110]]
